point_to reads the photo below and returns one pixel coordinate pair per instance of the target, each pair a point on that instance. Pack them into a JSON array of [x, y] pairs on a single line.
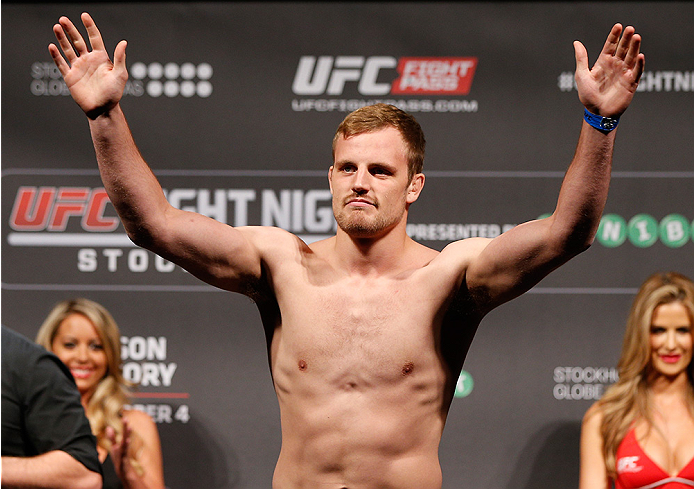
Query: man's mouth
[[359, 202]]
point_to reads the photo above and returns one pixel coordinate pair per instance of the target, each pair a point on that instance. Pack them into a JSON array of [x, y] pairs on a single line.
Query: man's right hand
[[95, 83]]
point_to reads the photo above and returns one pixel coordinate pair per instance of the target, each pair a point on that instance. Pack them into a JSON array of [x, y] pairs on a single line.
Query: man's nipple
[[408, 368], [303, 365]]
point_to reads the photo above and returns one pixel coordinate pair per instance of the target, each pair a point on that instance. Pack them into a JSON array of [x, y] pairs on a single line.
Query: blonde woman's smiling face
[[79, 346]]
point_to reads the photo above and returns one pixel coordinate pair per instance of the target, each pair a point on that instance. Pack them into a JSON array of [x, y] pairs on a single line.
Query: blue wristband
[[602, 124]]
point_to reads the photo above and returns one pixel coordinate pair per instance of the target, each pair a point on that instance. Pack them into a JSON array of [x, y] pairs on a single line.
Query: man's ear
[[330, 179], [415, 188]]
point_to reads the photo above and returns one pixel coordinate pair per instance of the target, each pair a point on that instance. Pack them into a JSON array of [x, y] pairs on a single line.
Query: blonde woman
[[641, 433], [85, 337]]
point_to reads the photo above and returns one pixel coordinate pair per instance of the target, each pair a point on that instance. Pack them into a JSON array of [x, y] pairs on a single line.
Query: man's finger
[[74, 36], [58, 59], [95, 38], [624, 43], [119, 56], [640, 65], [64, 42], [581, 57], [612, 40], [633, 52]]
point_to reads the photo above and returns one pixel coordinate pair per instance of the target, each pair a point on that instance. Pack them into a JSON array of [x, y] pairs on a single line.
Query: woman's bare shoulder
[[593, 416]]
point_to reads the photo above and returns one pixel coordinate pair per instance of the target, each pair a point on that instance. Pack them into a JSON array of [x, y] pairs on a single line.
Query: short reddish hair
[[378, 116]]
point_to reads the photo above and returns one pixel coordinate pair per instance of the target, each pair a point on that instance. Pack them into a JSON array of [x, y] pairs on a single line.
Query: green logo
[[674, 230], [464, 386], [612, 231], [643, 230]]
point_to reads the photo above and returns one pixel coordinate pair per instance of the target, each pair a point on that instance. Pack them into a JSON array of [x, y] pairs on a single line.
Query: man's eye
[[380, 171]]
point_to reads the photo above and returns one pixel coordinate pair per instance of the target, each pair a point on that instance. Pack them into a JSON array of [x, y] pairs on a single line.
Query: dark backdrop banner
[[234, 105]]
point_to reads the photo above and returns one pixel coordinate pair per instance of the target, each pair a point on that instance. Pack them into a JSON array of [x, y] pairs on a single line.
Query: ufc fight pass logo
[[384, 75]]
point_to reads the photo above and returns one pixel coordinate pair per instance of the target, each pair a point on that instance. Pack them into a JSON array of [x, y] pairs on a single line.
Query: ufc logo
[[328, 74], [628, 464], [50, 208]]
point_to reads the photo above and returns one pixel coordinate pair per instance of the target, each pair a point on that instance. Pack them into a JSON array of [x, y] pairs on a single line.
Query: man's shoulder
[[272, 238], [464, 250], [18, 348], [470, 244], [448, 268], [281, 253], [26, 364]]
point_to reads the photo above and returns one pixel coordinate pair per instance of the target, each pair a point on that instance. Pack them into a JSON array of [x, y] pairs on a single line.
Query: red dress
[[636, 471]]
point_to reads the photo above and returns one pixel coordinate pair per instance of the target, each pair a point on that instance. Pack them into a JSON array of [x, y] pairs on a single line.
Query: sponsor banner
[[146, 365], [651, 81], [66, 225], [245, 85], [154, 79], [373, 79], [71, 216], [643, 230], [582, 383], [435, 76]]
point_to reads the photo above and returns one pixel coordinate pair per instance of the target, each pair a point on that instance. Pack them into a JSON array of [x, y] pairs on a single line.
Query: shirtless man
[[367, 330]]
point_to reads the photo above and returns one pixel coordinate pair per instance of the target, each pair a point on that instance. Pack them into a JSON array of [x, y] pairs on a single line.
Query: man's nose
[[360, 184]]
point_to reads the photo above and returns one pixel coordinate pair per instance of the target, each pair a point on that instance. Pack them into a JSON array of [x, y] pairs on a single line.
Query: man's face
[[369, 183]]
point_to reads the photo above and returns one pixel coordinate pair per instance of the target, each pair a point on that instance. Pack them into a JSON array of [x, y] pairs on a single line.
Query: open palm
[[607, 88], [95, 83]]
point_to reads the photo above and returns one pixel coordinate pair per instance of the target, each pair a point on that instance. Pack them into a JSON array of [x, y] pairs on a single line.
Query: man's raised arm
[[518, 259], [212, 251]]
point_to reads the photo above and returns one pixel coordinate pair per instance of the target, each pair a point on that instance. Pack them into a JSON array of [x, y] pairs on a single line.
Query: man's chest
[[370, 303], [369, 317]]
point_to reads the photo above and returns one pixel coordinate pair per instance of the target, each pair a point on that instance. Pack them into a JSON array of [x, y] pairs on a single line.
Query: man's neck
[[377, 255]]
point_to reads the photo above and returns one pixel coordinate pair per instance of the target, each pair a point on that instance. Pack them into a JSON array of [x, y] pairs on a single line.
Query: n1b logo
[[643, 230], [430, 76]]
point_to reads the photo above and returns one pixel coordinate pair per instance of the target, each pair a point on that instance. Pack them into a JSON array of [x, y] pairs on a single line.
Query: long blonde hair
[[629, 399], [105, 407]]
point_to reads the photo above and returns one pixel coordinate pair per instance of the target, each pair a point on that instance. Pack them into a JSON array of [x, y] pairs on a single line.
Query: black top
[[41, 409], [111, 480]]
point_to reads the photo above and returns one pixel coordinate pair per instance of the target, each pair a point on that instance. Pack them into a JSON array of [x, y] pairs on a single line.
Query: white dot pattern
[[172, 79]]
